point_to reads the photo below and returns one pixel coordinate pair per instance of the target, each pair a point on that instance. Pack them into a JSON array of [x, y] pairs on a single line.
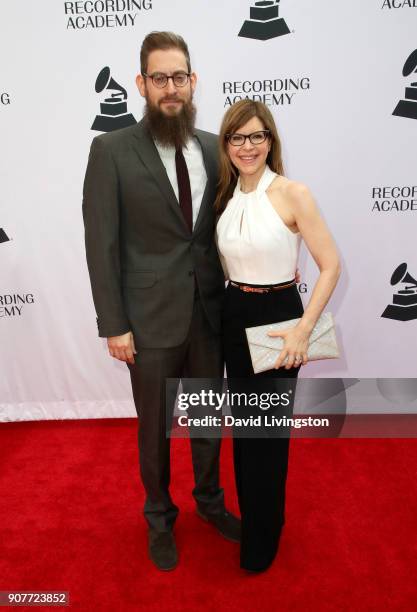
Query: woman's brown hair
[[238, 114]]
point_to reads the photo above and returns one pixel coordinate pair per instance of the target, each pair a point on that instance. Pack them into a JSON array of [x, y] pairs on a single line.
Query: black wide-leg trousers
[[199, 356], [260, 463]]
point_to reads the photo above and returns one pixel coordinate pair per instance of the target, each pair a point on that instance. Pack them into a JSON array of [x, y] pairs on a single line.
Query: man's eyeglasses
[[160, 80], [256, 138]]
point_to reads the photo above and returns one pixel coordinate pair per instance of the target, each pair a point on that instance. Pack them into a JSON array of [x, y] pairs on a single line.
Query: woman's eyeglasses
[[256, 138]]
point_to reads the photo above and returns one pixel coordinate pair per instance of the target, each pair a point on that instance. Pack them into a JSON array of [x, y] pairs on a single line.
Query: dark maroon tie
[[184, 188]]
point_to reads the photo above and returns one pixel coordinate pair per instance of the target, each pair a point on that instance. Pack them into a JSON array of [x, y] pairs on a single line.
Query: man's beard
[[171, 130]]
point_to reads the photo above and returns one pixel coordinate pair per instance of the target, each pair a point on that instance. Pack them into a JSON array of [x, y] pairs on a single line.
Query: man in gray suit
[[156, 278]]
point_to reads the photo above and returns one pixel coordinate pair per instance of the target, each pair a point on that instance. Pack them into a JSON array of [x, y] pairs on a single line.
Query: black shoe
[[254, 564], [256, 571], [226, 523], [162, 549]]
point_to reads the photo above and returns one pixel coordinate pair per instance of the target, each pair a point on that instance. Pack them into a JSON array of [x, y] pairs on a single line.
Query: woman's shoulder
[[293, 196], [287, 187]]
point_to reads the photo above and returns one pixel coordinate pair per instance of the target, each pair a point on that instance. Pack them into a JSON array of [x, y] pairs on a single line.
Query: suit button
[[191, 273]]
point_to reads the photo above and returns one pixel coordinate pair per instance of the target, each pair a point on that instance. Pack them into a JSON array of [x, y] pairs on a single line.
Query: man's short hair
[[157, 41]]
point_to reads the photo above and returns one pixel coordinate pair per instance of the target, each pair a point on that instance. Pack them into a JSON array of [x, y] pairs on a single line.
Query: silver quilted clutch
[[264, 349]]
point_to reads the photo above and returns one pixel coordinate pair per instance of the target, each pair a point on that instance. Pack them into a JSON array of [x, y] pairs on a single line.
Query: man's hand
[[122, 347]]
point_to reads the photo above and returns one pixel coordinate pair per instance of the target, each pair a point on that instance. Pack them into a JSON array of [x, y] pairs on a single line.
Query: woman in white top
[[262, 218]]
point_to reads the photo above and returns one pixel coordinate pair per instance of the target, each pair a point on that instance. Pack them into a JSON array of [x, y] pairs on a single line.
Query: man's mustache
[[170, 99]]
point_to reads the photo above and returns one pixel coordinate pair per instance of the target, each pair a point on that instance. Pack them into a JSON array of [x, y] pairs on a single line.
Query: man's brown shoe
[[226, 523], [162, 549]]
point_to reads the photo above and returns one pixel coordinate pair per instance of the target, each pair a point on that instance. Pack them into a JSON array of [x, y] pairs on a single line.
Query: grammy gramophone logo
[[3, 236], [404, 300], [113, 111], [408, 106], [264, 22]]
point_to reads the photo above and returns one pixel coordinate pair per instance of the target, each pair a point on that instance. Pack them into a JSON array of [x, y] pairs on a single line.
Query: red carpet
[[70, 519]]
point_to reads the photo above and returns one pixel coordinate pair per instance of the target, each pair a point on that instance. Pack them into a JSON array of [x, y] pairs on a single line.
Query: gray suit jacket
[[141, 257]]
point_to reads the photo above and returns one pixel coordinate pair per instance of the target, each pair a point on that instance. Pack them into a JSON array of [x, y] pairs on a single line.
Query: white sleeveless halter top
[[255, 244]]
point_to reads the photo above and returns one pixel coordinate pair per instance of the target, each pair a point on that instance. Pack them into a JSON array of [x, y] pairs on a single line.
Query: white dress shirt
[[196, 170]]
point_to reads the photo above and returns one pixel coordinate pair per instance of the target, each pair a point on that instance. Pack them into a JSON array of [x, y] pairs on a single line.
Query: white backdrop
[[339, 137]]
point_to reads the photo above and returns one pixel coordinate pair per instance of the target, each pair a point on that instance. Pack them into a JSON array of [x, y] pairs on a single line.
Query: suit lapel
[[145, 147], [211, 170]]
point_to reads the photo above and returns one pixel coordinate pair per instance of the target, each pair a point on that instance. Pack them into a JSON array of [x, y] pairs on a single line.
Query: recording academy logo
[[13, 304], [264, 22], [4, 99], [398, 199], [3, 236], [114, 114], [395, 4], [272, 92], [408, 107], [96, 14], [404, 301]]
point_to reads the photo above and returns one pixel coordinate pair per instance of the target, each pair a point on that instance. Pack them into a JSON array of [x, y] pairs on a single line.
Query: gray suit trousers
[[199, 356]]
